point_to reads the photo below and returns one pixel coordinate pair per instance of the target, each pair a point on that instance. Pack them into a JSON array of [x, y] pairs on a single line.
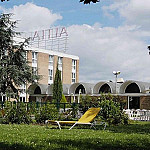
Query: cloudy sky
[[108, 36]]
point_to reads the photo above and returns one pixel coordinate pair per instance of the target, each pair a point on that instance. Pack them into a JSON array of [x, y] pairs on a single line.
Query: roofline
[[60, 54]]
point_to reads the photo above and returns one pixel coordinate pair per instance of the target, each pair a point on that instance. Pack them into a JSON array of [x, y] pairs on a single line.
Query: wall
[[67, 70], [43, 61], [145, 102]]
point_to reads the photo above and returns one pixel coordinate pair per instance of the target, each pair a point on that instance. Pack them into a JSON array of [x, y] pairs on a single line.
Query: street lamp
[[116, 73]]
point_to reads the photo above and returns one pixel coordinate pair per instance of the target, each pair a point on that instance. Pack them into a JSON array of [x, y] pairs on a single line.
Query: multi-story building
[[44, 63]]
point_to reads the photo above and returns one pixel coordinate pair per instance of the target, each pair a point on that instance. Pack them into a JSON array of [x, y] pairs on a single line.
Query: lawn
[[35, 137]]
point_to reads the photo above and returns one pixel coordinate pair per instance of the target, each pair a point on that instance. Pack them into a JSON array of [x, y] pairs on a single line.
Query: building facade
[[44, 63]]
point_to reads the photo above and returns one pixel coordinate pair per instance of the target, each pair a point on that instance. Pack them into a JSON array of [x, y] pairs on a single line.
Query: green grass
[[34, 137]]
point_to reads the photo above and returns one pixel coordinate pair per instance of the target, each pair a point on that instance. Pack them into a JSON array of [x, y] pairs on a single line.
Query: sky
[[108, 36]]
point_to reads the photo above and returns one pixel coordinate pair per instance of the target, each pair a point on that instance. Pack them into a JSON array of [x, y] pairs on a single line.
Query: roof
[[57, 53]]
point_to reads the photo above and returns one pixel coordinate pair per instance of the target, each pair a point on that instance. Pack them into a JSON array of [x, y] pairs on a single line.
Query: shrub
[[17, 114], [64, 100], [112, 113], [87, 101], [47, 111], [32, 107]]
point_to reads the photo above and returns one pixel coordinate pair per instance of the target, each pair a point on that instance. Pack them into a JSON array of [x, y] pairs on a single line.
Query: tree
[[3, 0], [57, 87], [85, 1], [89, 1], [14, 68]]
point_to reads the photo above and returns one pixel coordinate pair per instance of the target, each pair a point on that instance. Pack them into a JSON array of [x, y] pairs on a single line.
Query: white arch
[[42, 87], [87, 86], [126, 83], [100, 84]]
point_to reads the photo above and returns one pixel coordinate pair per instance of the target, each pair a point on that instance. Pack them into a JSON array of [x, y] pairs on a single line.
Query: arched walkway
[[37, 90], [132, 88], [80, 88], [105, 89], [134, 101]]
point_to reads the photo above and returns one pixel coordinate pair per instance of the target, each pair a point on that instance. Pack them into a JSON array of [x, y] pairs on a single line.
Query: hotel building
[[44, 63]]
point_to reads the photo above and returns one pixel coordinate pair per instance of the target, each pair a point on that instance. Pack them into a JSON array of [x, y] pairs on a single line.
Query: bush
[[17, 114], [47, 111], [64, 100], [87, 101], [112, 113]]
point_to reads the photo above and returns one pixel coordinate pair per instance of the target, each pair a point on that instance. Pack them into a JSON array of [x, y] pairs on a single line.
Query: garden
[[23, 127]]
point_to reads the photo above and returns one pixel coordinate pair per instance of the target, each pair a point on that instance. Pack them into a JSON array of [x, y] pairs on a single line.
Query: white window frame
[[50, 74], [73, 77], [51, 60], [74, 63], [60, 62], [34, 70], [34, 57]]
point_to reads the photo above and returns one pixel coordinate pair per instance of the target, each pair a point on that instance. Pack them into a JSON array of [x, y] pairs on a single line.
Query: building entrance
[[134, 102]]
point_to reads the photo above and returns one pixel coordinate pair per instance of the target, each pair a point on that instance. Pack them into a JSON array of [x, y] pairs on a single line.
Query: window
[[59, 63], [22, 99], [23, 89], [50, 74], [73, 77], [34, 70], [34, 57], [51, 57], [73, 64]]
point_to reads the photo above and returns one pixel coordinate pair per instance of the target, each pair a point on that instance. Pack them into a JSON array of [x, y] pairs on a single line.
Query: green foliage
[[111, 112], [111, 107], [118, 99], [85, 1], [89, 1], [63, 100], [88, 101], [57, 87], [32, 107], [47, 111], [14, 68], [17, 114], [3, 0]]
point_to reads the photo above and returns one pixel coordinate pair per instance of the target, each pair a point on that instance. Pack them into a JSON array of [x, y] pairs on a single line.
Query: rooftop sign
[[54, 39]]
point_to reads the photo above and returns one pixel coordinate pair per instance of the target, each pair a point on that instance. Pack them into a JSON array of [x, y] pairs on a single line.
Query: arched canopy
[[131, 86], [49, 90], [81, 89], [65, 89], [85, 88], [104, 87], [37, 89]]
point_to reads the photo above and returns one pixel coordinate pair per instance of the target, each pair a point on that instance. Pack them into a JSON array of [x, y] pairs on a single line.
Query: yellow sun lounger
[[86, 119]]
